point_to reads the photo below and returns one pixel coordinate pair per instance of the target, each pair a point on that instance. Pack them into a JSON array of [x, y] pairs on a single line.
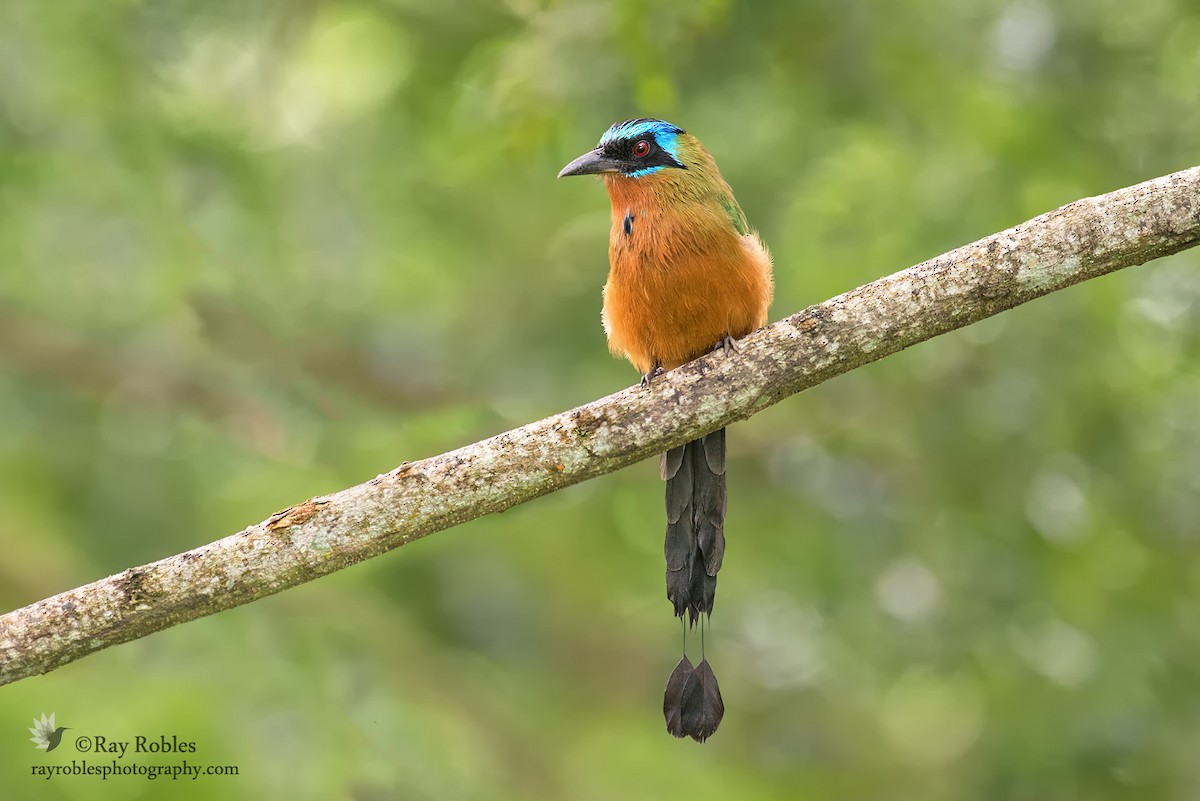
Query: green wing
[[736, 216]]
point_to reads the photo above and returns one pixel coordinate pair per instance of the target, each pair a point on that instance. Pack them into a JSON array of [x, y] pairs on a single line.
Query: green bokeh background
[[254, 252]]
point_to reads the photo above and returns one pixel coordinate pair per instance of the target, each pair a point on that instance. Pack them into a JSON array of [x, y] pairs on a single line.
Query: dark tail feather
[[695, 539], [700, 705], [692, 703], [673, 697]]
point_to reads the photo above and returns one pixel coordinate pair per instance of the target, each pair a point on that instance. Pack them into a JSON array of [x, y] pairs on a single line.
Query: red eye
[[641, 148]]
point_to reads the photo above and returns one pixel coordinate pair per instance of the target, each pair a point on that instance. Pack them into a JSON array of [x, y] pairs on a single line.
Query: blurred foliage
[[253, 252]]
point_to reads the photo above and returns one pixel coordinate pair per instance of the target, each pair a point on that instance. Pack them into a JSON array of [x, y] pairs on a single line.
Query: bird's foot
[[727, 344], [654, 373]]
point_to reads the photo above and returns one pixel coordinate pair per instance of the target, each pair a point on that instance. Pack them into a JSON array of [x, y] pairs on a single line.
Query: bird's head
[[632, 149]]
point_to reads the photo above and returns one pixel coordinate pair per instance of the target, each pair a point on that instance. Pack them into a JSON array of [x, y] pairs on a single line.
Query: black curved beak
[[591, 163]]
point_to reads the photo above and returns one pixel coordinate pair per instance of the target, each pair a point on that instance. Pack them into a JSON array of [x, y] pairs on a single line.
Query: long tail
[[695, 541], [695, 546]]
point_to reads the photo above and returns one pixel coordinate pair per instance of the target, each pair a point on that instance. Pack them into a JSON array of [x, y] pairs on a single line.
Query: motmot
[[687, 275]]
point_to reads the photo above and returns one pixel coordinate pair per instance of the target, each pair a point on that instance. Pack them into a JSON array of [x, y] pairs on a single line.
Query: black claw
[[727, 344], [654, 373]]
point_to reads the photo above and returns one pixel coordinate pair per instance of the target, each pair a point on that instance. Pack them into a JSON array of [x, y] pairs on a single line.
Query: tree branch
[[1079, 241]]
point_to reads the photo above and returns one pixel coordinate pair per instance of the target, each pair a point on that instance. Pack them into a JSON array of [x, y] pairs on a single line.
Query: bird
[[54, 738], [687, 275]]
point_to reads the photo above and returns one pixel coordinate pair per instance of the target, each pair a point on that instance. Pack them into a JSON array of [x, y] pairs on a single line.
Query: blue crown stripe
[[631, 129]]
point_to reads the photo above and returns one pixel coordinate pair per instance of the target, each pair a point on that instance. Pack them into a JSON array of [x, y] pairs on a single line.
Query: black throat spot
[[627, 224]]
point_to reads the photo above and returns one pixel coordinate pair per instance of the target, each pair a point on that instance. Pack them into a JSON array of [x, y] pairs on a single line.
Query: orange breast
[[681, 279]]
